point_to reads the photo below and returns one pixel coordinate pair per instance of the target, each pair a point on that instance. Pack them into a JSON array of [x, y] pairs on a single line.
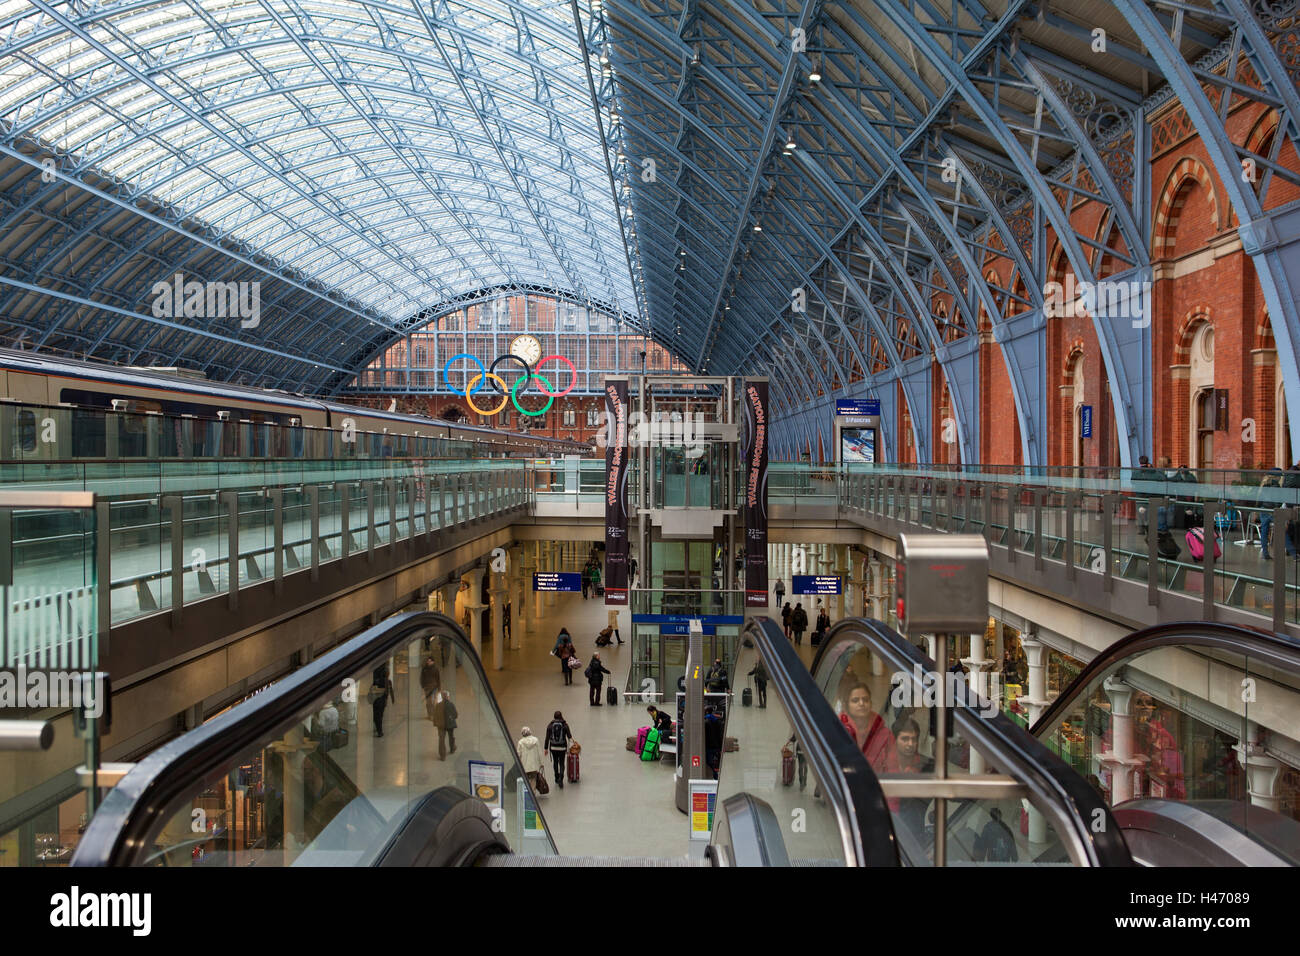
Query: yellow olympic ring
[[469, 388]]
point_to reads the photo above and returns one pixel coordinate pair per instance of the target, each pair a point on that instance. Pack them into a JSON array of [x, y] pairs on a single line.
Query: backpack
[[999, 846], [1196, 544], [555, 736]]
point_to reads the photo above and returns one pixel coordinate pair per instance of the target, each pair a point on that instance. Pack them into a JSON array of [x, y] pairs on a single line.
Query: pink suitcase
[[1196, 544], [640, 739]]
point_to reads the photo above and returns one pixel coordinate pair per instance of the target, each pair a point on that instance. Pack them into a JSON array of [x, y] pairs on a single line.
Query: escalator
[[300, 774], [1006, 798], [1192, 732]]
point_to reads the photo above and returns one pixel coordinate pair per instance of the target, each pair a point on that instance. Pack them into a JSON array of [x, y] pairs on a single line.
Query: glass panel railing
[[328, 766], [51, 626], [792, 755], [1192, 713], [1005, 798]]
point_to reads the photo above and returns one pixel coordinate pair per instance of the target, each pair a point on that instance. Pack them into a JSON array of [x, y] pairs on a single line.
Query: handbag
[[575, 748], [539, 783], [574, 663]]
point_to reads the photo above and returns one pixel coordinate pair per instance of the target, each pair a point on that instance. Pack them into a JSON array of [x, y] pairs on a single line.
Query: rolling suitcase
[[747, 698], [572, 769], [787, 766], [640, 739], [611, 695]]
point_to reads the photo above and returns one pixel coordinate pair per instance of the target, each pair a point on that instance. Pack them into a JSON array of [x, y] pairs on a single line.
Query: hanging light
[[757, 227], [790, 143]]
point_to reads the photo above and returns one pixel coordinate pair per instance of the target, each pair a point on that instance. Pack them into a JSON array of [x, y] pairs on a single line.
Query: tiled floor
[[621, 806]]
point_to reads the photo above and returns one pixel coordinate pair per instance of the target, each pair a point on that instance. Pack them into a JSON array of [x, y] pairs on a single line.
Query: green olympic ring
[[514, 390]]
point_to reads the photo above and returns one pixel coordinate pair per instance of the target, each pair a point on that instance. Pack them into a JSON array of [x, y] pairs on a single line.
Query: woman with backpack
[[557, 742], [798, 622], [565, 651]]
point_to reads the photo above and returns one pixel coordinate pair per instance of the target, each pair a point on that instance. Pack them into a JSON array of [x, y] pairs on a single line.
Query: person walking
[[558, 736], [586, 580], [430, 681], [595, 579], [595, 672], [759, 673], [381, 692], [529, 749], [613, 623], [565, 651], [785, 618], [798, 622], [631, 571], [780, 591], [444, 718]]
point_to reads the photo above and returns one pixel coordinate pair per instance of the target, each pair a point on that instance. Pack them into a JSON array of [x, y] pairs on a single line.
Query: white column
[[1262, 771], [553, 563], [1120, 759], [474, 602], [979, 682], [521, 579], [497, 594], [842, 569], [538, 564]]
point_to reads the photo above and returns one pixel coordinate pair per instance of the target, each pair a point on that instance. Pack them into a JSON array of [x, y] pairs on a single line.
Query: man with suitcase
[[557, 743], [759, 673], [595, 672]]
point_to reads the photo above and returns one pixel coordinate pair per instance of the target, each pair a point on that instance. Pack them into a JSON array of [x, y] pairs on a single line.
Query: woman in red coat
[[868, 730]]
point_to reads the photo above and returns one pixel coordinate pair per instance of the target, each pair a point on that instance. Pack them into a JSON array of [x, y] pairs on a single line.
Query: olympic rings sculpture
[[509, 393]]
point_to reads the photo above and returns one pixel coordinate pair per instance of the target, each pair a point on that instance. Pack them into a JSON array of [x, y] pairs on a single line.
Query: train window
[[26, 425], [87, 433]]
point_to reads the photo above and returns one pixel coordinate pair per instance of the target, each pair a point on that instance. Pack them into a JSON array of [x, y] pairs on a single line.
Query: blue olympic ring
[[477, 380]]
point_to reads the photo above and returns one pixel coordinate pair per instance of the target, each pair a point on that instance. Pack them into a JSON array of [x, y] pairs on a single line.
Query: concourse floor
[[622, 806]]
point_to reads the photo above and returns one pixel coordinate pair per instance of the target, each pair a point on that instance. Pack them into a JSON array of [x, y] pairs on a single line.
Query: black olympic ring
[[528, 371]]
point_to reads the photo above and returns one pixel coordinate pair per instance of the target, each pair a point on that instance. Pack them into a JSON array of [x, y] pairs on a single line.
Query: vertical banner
[[617, 467], [756, 434]]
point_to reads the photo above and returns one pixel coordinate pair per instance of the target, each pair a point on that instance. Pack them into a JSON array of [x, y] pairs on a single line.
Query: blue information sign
[[681, 630], [857, 406], [815, 584], [1085, 421], [734, 620], [557, 581]]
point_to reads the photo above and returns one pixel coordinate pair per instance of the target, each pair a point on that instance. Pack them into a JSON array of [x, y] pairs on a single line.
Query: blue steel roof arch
[[817, 367], [79, 32], [740, 101], [530, 158]]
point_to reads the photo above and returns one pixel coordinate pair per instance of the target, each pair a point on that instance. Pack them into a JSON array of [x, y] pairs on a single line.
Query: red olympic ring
[[573, 372]]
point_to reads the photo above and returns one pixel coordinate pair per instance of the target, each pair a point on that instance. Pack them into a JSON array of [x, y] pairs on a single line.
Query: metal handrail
[[123, 829], [1260, 646], [866, 828], [1052, 786]]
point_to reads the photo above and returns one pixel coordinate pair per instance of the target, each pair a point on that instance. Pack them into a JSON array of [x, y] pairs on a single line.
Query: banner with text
[[756, 441], [617, 468]]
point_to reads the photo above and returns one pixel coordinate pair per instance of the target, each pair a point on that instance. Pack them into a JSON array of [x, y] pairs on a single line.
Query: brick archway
[[1173, 197]]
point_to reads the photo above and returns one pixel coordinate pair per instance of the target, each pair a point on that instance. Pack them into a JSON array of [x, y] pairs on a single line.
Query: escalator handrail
[[121, 831], [866, 827], [1050, 781], [1265, 647]]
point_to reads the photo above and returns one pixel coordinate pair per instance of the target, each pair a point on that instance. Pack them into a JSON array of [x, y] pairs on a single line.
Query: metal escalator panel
[[1190, 713], [796, 792], [299, 775], [1007, 798]]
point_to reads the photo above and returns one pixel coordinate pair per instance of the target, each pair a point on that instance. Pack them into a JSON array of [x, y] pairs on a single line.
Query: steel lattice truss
[[374, 164], [370, 164], [938, 139]]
